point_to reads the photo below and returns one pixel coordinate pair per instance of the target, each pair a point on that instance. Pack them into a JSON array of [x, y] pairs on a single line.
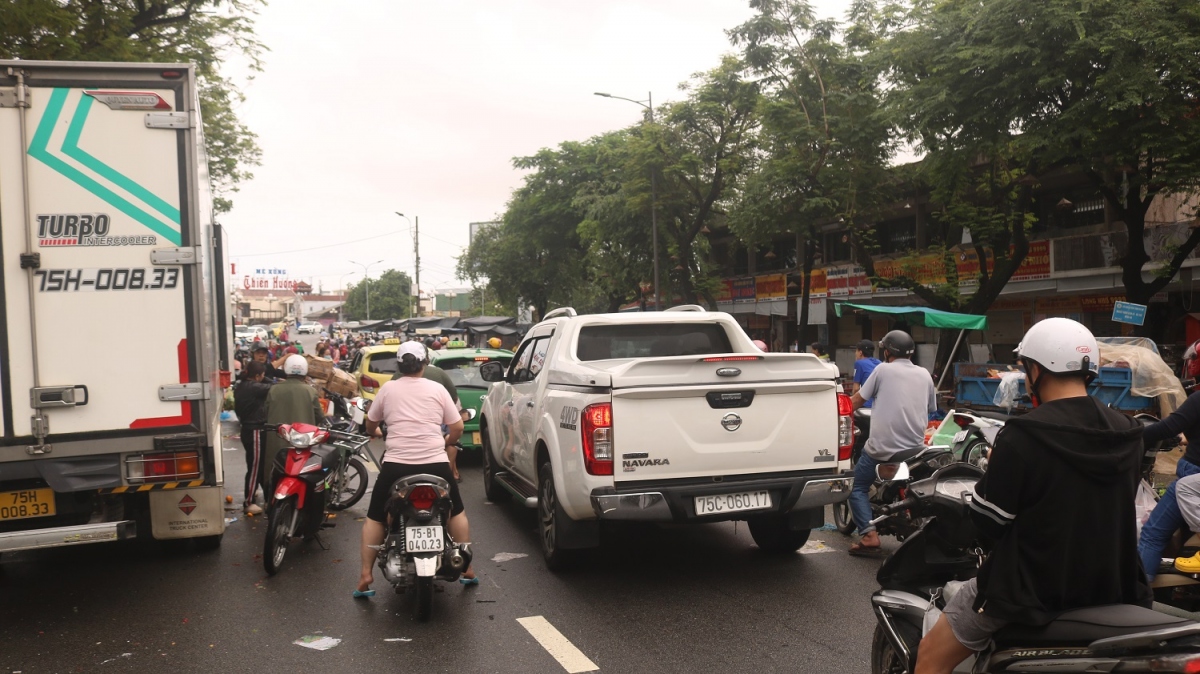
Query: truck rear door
[[98, 300]]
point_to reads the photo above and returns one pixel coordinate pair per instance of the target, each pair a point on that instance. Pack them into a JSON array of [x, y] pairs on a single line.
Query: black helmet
[[260, 346], [898, 343], [867, 347]]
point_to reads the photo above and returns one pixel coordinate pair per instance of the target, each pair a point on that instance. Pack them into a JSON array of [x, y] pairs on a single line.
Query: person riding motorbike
[[415, 409], [1188, 494], [903, 398], [289, 402], [1166, 518], [1057, 503]]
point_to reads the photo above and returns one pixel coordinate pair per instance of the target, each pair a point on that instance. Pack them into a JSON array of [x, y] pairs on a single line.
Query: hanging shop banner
[[928, 269], [818, 311], [1011, 304], [1058, 305], [1035, 266], [847, 280], [1100, 304], [817, 285], [725, 291], [742, 290], [770, 287]]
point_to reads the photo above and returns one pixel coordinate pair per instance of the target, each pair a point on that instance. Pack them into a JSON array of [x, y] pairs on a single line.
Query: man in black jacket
[[250, 405], [1057, 502]]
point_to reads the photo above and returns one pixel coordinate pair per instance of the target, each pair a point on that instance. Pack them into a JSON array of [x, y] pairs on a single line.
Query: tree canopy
[[391, 297], [203, 32]]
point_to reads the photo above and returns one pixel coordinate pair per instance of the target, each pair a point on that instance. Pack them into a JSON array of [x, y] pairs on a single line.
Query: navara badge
[[731, 422]]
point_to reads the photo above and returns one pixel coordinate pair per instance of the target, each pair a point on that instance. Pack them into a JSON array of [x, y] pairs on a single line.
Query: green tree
[[391, 297], [1105, 87], [164, 31]]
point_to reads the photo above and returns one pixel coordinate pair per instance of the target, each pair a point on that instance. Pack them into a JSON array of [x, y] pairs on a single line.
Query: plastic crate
[[1112, 387]]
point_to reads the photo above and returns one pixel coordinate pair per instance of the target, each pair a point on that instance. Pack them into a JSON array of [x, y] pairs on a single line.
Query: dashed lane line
[[572, 659]]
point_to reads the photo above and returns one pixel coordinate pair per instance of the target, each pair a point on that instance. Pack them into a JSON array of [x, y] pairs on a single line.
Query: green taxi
[[462, 364]]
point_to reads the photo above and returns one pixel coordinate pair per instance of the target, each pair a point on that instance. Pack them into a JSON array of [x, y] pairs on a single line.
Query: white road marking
[[572, 659]]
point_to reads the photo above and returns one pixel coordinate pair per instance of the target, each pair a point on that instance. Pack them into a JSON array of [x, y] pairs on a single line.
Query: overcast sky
[[375, 106]]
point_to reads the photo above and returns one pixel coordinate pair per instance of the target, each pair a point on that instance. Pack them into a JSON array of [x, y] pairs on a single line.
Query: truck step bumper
[[528, 496], [646, 506], [57, 537], [819, 493]]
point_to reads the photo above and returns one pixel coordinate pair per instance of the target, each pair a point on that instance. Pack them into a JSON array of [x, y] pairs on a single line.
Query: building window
[[1070, 209], [897, 236], [835, 247]]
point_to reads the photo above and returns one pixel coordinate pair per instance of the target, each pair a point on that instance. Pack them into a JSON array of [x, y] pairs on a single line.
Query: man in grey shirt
[[904, 397]]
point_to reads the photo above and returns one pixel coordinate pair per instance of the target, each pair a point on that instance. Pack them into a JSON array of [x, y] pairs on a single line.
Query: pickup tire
[[551, 519], [491, 489], [774, 535]]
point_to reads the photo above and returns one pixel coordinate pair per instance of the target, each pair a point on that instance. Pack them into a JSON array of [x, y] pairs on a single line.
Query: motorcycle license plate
[[423, 539], [729, 503], [960, 436], [477, 438], [16, 505]]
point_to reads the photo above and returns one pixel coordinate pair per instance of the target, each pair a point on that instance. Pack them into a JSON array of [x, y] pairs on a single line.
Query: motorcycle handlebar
[[893, 508]]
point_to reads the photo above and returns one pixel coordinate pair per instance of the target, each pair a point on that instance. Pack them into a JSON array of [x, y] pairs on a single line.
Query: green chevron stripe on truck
[[71, 149], [38, 149]]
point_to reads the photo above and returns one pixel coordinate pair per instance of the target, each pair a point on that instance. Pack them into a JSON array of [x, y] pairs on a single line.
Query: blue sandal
[[363, 594], [469, 581]]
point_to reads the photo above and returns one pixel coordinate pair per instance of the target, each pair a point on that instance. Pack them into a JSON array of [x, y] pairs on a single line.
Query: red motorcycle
[[308, 480]]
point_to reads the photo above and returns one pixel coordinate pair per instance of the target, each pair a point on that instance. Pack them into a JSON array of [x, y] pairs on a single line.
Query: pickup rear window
[[651, 340]]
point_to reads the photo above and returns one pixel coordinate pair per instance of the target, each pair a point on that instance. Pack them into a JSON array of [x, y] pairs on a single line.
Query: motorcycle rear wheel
[[280, 519], [884, 658], [423, 601], [352, 488], [975, 453], [842, 519]]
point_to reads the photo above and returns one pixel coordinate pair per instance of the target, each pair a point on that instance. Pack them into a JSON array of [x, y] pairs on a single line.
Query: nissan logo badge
[[731, 422], [728, 372]]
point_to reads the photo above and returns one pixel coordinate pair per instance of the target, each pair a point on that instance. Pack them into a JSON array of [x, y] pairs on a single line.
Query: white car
[[310, 328], [251, 333], [667, 417]]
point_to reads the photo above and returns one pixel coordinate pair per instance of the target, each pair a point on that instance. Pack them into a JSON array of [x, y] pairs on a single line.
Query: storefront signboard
[[770, 287]]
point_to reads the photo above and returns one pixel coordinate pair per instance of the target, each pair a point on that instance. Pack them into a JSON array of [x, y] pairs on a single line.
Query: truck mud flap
[[187, 513]]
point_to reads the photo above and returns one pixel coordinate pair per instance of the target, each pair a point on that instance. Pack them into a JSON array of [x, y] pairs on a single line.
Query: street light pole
[[417, 256], [367, 282], [649, 105]]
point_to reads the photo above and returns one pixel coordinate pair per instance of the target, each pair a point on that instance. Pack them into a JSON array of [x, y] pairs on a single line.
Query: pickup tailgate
[[679, 418]]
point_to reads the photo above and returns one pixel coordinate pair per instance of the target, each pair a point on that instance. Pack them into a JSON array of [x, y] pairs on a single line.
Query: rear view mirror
[[892, 472], [493, 371]]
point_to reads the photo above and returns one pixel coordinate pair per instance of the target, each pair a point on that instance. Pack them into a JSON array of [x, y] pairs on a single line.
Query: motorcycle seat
[[1085, 625]]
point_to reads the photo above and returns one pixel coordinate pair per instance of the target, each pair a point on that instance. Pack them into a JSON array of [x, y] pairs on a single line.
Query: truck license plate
[[423, 539], [730, 503], [16, 505]]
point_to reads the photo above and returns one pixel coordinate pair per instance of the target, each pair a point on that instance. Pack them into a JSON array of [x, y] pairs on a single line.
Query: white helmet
[[1061, 345], [295, 366]]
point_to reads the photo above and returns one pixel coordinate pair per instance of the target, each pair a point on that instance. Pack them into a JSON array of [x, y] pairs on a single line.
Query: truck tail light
[[369, 385], [164, 467], [845, 427], [598, 439]]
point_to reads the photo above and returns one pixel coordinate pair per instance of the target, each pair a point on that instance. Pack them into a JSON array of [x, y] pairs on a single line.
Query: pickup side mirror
[[493, 371]]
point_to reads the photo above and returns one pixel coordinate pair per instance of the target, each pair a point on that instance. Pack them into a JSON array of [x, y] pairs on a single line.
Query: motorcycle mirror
[[471, 414], [892, 472]]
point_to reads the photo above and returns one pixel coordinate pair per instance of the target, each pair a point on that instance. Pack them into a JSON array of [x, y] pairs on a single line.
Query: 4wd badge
[[187, 504]]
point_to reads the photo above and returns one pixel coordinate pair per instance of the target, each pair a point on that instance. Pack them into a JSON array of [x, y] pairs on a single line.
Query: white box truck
[[114, 339]]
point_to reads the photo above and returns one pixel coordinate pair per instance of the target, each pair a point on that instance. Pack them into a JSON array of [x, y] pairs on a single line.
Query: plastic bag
[[1008, 390], [1152, 378], [1144, 504]]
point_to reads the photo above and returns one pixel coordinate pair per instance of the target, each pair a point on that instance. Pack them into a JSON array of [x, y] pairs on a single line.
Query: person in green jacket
[[289, 402]]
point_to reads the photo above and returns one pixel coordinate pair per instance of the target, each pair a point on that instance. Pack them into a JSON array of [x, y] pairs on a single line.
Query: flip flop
[[860, 550], [363, 594], [469, 581]]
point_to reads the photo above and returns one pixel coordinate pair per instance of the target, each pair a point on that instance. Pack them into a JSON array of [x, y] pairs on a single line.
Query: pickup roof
[[671, 416]]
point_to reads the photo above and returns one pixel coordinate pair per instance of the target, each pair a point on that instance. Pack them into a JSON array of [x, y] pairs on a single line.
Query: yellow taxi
[[373, 366]]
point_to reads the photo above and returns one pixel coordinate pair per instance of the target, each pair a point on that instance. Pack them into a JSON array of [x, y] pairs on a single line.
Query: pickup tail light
[[598, 439], [845, 427], [368, 384], [170, 467], [726, 359]]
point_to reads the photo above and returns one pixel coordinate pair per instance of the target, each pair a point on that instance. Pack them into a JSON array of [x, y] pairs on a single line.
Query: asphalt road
[[653, 599]]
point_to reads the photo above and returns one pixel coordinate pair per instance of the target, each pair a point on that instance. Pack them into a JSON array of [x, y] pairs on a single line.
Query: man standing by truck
[[250, 405]]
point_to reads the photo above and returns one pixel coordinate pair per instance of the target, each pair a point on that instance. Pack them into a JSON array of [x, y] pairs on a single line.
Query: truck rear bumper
[[667, 504], [57, 537]]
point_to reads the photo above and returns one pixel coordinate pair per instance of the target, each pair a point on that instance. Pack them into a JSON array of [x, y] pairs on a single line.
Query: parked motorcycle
[[920, 577], [308, 480], [919, 463], [977, 436], [418, 548]]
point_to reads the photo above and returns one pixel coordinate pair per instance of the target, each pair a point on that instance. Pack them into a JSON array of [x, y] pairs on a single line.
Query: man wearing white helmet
[[289, 402], [1057, 505]]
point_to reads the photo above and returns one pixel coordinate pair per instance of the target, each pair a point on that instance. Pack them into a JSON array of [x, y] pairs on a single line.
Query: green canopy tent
[[926, 316]]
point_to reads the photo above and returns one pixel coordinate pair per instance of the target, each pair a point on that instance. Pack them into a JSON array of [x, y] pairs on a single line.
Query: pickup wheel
[[491, 489], [773, 535], [550, 517]]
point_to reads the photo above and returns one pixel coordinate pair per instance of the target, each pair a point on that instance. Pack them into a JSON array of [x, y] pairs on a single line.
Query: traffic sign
[[1128, 312]]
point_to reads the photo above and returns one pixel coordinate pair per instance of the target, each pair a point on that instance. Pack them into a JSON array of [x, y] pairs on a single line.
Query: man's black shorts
[[394, 471]]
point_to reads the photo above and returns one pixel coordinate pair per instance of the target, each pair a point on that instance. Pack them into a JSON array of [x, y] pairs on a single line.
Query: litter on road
[[813, 547], [316, 642], [398, 639], [502, 557]]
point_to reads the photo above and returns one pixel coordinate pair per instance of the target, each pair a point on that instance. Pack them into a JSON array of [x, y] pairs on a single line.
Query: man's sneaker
[[1188, 564], [253, 509]]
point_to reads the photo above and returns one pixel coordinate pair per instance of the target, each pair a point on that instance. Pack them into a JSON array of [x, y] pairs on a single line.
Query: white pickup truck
[[667, 417]]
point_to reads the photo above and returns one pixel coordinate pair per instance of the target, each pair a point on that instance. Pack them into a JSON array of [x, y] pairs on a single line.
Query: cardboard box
[[343, 384], [319, 368]]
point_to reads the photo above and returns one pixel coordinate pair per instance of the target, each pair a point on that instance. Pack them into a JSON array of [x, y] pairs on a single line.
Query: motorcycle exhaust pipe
[[460, 557]]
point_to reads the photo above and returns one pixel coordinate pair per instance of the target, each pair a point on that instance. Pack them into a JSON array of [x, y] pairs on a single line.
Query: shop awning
[[930, 318]]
